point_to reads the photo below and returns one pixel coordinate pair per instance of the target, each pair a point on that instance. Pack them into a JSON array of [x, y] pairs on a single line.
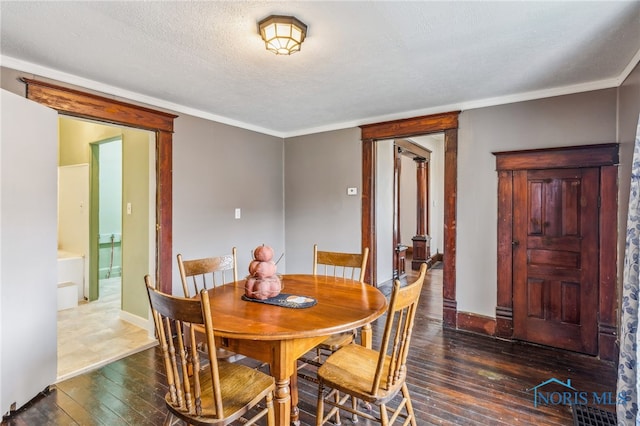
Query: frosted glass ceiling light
[[282, 35]]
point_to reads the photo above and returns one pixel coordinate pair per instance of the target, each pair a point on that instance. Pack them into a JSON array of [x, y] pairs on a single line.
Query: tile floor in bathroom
[[92, 334]]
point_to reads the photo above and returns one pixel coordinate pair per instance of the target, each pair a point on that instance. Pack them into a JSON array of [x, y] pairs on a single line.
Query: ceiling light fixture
[[282, 35]]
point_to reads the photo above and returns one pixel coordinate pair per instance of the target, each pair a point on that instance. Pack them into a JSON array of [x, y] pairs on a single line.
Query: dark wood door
[[555, 257]]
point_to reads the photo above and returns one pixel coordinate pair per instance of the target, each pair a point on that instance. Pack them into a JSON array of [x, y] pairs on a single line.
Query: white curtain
[[628, 376]]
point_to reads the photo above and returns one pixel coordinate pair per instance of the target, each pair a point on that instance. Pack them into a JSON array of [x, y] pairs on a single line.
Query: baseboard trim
[[499, 328], [608, 342], [437, 257], [449, 313], [476, 323], [138, 321]]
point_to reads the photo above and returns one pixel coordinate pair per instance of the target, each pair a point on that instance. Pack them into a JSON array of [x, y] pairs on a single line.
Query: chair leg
[[168, 420], [409, 407], [320, 405], [271, 415], [337, 400], [354, 405], [384, 415]]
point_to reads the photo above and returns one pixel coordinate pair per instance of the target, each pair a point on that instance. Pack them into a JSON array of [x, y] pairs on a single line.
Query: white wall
[[73, 208], [384, 210], [408, 200], [28, 249], [110, 220], [73, 218], [110, 207]]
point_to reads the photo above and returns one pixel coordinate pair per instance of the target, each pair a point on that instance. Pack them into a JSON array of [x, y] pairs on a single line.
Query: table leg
[[366, 336], [282, 403], [295, 413], [282, 356]]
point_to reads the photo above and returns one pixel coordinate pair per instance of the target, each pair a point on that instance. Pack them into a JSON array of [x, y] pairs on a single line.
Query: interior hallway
[[431, 296], [92, 334], [431, 304]]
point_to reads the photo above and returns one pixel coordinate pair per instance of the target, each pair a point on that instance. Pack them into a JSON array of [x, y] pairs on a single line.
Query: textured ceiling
[[362, 62]]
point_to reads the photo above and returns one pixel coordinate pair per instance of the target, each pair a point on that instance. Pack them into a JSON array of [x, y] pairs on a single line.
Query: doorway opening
[[107, 159], [76, 103], [419, 200], [104, 326], [79, 104], [409, 200], [371, 134]]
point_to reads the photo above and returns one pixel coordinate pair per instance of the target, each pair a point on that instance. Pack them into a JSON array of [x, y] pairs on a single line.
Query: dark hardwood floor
[[455, 378]]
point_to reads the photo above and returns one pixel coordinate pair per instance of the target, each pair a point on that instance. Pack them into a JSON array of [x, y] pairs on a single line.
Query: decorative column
[[421, 241], [400, 250]]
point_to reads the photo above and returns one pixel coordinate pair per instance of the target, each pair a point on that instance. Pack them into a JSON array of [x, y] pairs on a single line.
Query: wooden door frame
[[417, 126], [604, 156], [76, 103]]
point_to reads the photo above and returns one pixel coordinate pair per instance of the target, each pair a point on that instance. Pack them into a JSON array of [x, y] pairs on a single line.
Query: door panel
[[555, 255], [28, 284]]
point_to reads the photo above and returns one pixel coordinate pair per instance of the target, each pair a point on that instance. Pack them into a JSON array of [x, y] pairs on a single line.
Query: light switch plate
[[352, 191]]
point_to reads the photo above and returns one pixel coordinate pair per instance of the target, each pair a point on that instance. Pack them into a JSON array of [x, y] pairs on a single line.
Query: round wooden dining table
[[279, 335]]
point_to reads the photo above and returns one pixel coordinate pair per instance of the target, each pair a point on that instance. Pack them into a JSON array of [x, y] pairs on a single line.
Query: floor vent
[[583, 415]]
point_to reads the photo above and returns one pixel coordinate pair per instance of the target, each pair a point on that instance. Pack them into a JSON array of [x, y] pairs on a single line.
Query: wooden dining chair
[[376, 377], [218, 393], [338, 264], [345, 265], [205, 273]]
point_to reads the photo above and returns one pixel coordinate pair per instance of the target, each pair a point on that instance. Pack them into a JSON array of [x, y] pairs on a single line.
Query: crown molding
[[46, 72], [38, 70]]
